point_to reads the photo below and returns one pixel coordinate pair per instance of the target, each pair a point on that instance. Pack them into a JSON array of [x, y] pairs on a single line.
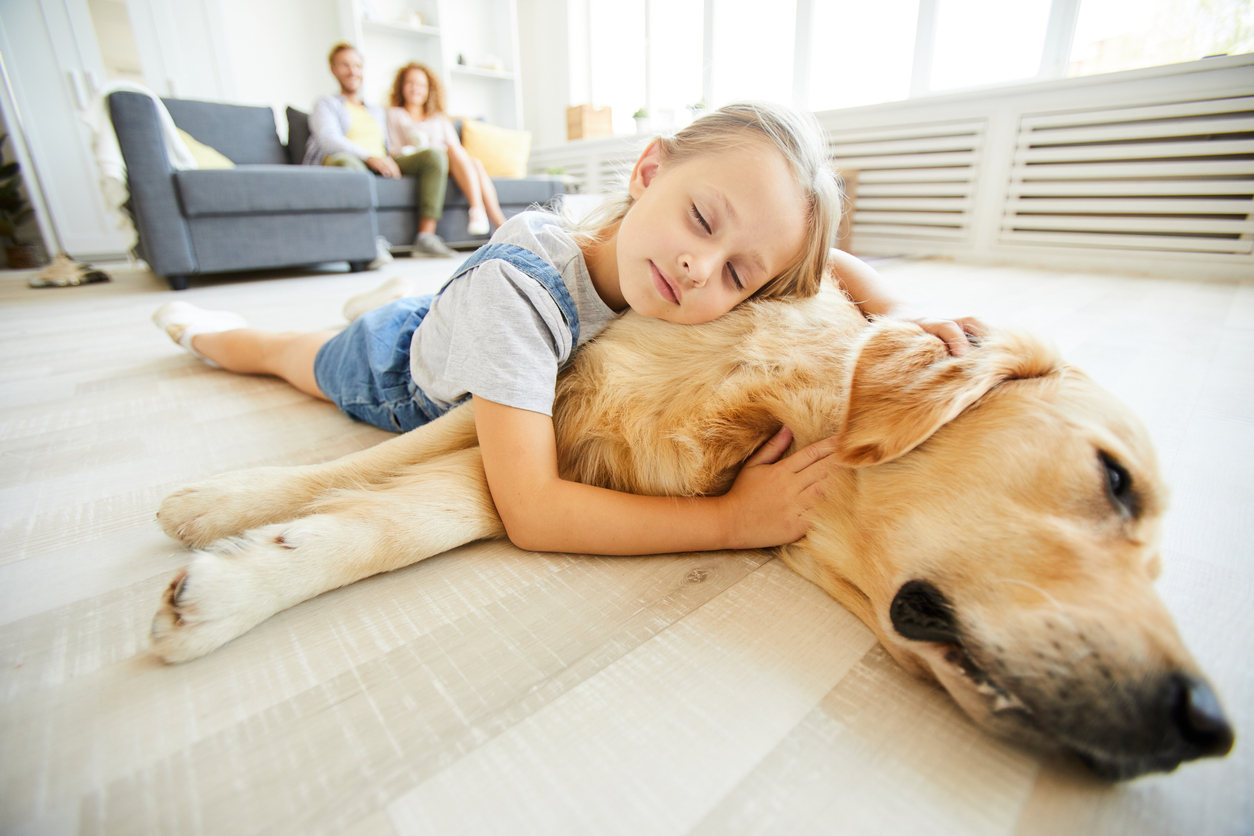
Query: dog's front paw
[[227, 505], [221, 595]]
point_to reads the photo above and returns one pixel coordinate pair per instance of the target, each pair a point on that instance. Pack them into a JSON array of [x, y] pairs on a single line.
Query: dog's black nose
[[921, 612], [1196, 715]]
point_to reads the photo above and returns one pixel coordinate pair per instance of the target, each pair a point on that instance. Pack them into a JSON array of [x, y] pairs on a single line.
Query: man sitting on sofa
[[345, 131]]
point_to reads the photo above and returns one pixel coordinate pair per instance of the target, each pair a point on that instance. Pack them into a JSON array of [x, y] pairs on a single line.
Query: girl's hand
[[954, 333], [868, 290], [768, 503]]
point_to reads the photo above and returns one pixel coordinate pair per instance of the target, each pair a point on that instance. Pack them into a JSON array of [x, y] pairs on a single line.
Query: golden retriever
[[995, 522]]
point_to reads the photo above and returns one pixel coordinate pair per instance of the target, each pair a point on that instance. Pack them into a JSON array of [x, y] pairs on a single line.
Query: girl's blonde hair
[[795, 134], [435, 88]]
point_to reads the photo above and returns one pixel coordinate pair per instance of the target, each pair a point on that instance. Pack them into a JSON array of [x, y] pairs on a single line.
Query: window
[[675, 56], [828, 54], [616, 57], [982, 42], [1113, 35], [862, 53], [753, 50]]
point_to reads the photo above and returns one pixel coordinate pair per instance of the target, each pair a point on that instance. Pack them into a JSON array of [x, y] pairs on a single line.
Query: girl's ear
[[646, 169]]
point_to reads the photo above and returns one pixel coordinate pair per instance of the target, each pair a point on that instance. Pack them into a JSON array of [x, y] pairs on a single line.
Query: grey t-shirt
[[497, 333]]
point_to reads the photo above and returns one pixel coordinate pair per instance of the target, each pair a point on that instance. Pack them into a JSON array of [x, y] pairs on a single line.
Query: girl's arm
[[870, 293], [542, 512]]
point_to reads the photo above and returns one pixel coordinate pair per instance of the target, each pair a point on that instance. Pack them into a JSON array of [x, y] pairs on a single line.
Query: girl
[[739, 203], [416, 121]]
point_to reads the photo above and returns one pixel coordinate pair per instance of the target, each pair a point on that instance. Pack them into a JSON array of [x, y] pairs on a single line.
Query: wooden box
[[583, 122]]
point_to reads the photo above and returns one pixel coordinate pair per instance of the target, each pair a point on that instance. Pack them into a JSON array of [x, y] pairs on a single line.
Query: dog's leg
[[241, 581], [233, 503]]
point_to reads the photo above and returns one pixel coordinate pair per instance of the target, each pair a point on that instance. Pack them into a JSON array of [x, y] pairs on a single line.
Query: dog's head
[[1003, 539]]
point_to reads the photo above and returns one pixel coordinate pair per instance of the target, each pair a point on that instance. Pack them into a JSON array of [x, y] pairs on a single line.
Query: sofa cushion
[[297, 135], [262, 189], [206, 158], [402, 193], [502, 151], [399, 193], [245, 135], [535, 189]]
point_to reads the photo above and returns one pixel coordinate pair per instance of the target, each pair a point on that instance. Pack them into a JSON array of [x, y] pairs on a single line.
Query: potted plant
[[14, 211], [642, 120]]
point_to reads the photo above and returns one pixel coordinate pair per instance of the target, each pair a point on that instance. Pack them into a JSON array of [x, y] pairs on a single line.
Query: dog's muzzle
[[1161, 723]]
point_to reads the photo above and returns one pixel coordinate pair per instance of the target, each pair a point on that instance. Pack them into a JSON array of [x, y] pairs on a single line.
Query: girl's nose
[[697, 269]]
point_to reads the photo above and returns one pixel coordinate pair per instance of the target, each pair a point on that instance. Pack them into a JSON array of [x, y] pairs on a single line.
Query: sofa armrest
[[164, 238]]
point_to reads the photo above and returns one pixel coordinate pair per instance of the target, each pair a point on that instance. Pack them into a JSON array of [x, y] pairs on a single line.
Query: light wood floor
[[495, 691]]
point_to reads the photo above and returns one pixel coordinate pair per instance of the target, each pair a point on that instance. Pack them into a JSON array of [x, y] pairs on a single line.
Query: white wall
[[275, 51], [176, 41]]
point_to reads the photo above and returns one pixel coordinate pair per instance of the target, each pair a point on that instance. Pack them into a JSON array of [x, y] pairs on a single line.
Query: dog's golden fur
[[996, 521]]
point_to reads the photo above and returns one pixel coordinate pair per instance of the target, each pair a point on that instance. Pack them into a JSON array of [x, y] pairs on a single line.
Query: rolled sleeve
[[506, 339]]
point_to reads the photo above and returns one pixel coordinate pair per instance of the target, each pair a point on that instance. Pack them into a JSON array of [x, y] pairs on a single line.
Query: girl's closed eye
[[731, 269], [699, 218]]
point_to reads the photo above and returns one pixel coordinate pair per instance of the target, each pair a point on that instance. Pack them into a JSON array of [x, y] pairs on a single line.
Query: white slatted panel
[[598, 167], [916, 184], [1176, 177], [613, 170]]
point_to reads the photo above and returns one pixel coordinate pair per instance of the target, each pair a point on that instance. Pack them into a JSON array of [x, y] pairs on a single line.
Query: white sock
[[394, 288], [181, 321]]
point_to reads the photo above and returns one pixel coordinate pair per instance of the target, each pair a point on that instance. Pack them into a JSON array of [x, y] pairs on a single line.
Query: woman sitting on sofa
[[346, 131], [417, 121]]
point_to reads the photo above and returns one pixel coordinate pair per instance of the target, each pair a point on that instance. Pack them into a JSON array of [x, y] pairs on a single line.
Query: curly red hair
[[435, 89]]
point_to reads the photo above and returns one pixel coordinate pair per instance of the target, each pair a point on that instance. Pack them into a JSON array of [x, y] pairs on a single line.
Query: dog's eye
[[1119, 486]]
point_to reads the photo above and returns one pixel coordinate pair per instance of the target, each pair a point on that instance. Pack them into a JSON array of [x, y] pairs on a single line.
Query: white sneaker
[[478, 223], [395, 288], [430, 245], [382, 253], [182, 321]]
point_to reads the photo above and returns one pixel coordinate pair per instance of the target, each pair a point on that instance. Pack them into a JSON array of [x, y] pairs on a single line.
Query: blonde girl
[[740, 203]]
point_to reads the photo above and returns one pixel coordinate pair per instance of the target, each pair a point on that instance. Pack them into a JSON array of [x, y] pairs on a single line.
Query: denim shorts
[[364, 369]]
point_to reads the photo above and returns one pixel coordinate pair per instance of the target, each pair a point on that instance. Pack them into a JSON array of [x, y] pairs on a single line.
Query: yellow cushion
[[502, 151], [205, 156]]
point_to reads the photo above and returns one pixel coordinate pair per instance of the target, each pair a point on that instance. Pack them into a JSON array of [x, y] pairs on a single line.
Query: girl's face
[[707, 233], [415, 89]]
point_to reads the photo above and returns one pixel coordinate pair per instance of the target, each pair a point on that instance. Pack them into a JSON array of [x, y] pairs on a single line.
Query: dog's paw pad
[[201, 609]]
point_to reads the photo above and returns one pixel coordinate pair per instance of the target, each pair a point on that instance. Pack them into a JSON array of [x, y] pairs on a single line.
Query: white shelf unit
[[472, 44]]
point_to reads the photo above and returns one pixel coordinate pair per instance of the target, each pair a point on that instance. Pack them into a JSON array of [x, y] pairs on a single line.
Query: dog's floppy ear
[[904, 386]]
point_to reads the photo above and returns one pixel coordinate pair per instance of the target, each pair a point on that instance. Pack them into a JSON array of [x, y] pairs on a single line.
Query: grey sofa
[[269, 211], [396, 199]]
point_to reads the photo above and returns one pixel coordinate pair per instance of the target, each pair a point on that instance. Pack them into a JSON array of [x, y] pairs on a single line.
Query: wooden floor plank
[[661, 735]]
